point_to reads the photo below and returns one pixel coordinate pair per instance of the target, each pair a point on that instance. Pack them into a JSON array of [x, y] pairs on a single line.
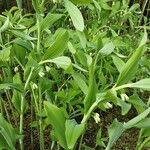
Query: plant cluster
[[68, 61]]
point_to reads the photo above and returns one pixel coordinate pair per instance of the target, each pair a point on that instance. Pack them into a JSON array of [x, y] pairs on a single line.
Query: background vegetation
[[74, 75]]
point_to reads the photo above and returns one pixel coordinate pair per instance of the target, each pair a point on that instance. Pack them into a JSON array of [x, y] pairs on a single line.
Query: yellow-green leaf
[[75, 15]]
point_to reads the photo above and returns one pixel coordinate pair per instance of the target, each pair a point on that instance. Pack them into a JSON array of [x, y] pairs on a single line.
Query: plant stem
[[144, 142], [21, 122], [38, 33], [40, 121], [22, 107], [139, 139], [80, 144]]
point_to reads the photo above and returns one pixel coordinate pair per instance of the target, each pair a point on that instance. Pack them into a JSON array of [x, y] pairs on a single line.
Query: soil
[[127, 141]]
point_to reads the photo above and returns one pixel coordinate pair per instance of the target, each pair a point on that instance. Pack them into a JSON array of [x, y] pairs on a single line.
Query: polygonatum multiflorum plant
[[67, 61]]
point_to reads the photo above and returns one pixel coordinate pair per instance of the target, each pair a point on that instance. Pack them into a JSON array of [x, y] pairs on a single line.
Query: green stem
[[38, 33], [143, 9], [10, 105], [22, 108], [139, 139], [40, 121], [80, 144], [144, 142], [21, 122], [87, 115]]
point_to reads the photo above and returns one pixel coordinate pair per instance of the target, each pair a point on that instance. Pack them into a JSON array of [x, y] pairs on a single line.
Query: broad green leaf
[[57, 120], [129, 69], [71, 48], [73, 132], [99, 139], [114, 131], [137, 103], [145, 62], [38, 6], [107, 49], [144, 123], [104, 5], [49, 20], [142, 84], [5, 25], [8, 135], [5, 54], [125, 107], [80, 82], [17, 96], [26, 44], [58, 46], [92, 89], [7, 86], [20, 53], [89, 60], [62, 61], [75, 15], [31, 65], [134, 7], [22, 35], [137, 119], [82, 38], [19, 3], [118, 62], [81, 1]]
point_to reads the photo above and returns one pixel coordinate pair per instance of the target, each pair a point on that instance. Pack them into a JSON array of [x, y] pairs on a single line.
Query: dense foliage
[[69, 61]]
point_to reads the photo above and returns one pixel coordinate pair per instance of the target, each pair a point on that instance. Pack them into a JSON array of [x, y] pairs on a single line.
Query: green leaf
[[107, 49], [144, 123], [145, 62], [8, 135], [62, 61], [17, 96], [142, 84], [5, 54], [92, 89], [8, 86], [125, 107], [134, 7], [20, 53], [71, 48], [25, 44], [19, 3], [58, 46], [137, 119], [137, 103], [114, 131], [75, 15], [73, 131], [81, 1], [80, 82], [99, 139], [22, 35], [5, 25], [49, 20], [129, 69], [104, 5], [118, 62], [82, 38], [57, 120]]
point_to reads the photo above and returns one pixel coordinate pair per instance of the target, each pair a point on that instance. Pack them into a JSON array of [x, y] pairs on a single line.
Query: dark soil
[[126, 142], [128, 139]]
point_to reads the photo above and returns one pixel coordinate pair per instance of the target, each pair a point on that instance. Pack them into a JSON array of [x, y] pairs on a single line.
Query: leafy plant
[[68, 61]]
